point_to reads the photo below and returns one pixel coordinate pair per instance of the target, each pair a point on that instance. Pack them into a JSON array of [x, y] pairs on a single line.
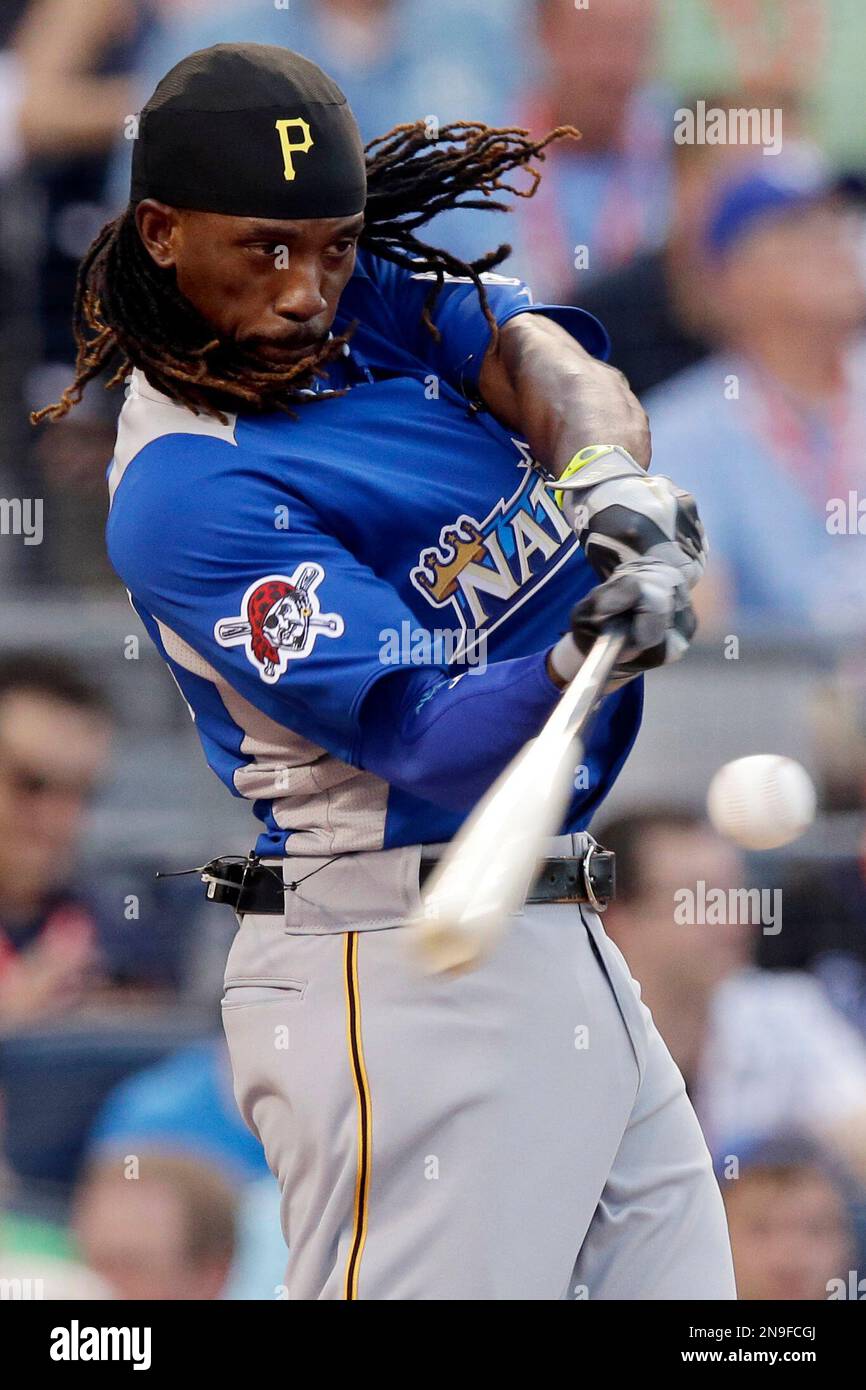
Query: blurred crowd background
[[732, 277]]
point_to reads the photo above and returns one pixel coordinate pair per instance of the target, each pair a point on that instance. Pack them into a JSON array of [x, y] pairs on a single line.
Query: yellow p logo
[[288, 147]]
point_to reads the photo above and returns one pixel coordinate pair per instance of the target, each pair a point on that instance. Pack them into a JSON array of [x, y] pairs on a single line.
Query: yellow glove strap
[[580, 460]]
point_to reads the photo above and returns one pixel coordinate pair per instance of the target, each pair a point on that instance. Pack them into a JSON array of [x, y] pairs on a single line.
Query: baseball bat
[[488, 868]]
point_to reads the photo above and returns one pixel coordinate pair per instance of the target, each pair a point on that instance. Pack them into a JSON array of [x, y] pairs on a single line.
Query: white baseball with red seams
[[762, 801]]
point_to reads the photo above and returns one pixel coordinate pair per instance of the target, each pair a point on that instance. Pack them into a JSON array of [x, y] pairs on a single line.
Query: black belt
[[587, 879], [249, 886]]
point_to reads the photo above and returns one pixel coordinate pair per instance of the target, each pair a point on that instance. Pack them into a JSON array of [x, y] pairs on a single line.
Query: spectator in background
[[36, 1258], [768, 432], [55, 734], [760, 1051], [790, 1226], [65, 942], [70, 105], [609, 192], [15, 307], [185, 1104], [157, 1227], [259, 1268], [11, 91], [656, 307], [71, 60], [71, 57]]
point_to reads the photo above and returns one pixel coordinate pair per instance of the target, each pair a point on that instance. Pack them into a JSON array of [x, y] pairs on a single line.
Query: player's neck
[[810, 366]]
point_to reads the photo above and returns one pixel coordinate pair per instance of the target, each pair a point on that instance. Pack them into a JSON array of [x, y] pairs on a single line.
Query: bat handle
[[587, 687]]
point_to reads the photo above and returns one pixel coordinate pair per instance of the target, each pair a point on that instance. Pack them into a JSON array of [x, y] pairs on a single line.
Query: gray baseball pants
[[519, 1132]]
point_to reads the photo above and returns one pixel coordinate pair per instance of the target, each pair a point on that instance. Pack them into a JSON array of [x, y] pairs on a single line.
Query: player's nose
[[300, 296]]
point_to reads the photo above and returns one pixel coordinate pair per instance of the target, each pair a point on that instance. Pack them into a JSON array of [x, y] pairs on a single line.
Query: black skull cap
[[251, 130]]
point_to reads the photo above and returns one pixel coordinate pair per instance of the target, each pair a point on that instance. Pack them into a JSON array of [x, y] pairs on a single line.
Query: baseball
[[762, 801]]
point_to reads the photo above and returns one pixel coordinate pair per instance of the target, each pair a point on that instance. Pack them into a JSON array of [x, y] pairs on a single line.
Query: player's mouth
[[280, 351]]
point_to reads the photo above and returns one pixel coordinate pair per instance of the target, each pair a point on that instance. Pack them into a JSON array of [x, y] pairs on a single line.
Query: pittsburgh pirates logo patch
[[279, 621], [291, 147]]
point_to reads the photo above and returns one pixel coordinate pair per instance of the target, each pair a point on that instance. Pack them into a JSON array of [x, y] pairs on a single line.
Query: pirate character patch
[[279, 621]]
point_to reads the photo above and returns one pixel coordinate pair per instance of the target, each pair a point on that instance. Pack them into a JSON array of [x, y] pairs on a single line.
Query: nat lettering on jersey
[[485, 569]]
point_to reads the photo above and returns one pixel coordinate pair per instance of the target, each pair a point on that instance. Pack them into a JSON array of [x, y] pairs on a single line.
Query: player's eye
[[343, 246], [271, 249]]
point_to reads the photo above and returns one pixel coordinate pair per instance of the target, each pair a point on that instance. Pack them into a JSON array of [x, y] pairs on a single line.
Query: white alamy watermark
[[735, 125], [718, 907], [85, 1343], [438, 646], [22, 516], [846, 516], [853, 1288], [24, 1290]]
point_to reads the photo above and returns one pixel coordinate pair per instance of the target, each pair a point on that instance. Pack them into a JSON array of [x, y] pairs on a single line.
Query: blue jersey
[[285, 566]]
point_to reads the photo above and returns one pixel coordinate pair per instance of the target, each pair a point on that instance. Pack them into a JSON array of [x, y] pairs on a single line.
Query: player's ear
[[158, 226]]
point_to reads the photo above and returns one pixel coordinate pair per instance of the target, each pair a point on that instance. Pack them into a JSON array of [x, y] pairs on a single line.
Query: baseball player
[[363, 495]]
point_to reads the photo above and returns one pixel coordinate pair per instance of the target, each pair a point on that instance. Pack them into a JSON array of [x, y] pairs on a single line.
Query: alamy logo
[[21, 1290], [846, 516], [22, 516], [738, 125], [716, 907], [853, 1287], [77, 1343]]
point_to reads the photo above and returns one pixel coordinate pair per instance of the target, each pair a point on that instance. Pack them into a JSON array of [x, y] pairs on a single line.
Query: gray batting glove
[[652, 598], [622, 514]]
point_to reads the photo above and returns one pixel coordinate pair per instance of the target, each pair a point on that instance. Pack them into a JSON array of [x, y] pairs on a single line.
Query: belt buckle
[[598, 904]]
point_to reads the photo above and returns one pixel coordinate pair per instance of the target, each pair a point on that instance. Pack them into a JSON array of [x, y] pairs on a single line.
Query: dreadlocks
[[129, 312]]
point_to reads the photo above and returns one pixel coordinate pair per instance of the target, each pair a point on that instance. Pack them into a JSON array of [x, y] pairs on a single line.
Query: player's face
[[272, 287]]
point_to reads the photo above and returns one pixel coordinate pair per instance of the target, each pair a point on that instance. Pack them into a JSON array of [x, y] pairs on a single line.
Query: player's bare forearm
[[542, 383]]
